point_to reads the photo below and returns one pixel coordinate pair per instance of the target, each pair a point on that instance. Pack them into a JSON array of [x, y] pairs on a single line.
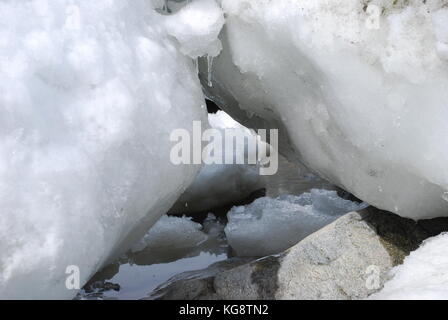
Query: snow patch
[[422, 276]]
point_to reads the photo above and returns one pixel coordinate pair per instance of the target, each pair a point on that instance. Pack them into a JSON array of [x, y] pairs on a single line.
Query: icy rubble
[[271, 225], [422, 276], [89, 92], [361, 98], [221, 184]]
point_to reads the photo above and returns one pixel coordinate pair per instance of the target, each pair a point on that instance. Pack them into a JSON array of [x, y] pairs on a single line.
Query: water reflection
[[137, 274]]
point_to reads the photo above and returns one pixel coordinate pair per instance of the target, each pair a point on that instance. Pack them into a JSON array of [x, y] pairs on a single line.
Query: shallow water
[[136, 282], [137, 274]]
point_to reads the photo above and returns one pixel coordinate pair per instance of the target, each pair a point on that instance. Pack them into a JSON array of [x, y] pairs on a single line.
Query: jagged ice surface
[[271, 225], [364, 107]]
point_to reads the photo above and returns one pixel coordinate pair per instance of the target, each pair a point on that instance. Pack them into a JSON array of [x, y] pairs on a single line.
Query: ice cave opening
[[229, 212]]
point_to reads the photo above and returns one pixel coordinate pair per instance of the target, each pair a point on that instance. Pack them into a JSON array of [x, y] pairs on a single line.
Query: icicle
[[164, 7], [196, 65], [209, 70]]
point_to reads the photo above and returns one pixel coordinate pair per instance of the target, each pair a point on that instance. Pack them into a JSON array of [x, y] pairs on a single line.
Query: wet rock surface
[[194, 285], [348, 259]]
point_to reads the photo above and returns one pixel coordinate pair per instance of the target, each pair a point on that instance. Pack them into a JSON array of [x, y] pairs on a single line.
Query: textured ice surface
[[222, 184], [423, 275], [89, 94], [197, 26], [173, 238], [271, 225], [365, 107], [171, 233]]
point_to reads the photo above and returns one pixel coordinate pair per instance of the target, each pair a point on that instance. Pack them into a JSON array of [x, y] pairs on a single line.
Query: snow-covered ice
[[361, 98], [196, 26], [271, 225], [422, 276], [89, 94]]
